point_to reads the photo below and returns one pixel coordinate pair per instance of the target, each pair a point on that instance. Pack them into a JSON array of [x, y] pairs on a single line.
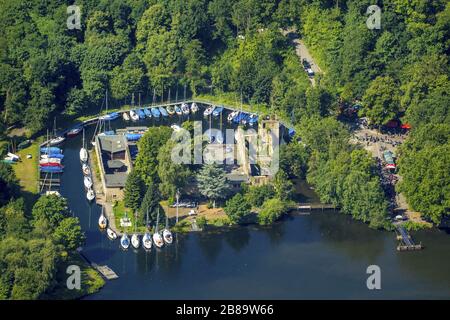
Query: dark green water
[[322, 255]]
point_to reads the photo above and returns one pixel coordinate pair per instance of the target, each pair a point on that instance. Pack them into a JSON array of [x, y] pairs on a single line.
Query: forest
[[231, 48]]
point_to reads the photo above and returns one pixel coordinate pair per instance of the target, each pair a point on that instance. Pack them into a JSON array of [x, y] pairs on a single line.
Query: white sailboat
[[147, 238], [232, 115], [157, 238], [87, 182], [111, 234], [86, 170], [102, 221], [135, 240], [194, 107], [167, 235], [185, 108], [90, 195], [135, 236], [56, 140], [83, 152], [147, 241], [125, 241], [134, 116]]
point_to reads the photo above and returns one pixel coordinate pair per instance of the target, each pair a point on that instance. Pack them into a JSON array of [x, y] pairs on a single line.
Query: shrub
[[237, 208], [271, 211]]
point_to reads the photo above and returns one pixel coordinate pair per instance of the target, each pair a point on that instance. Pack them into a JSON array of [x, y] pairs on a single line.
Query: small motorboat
[[194, 107], [208, 111], [217, 111], [158, 240], [87, 182], [175, 127], [50, 160], [135, 240], [125, 116], [52, 156], [51, 150], [125, 241], [232, 115], [147, 241], [102, 221], [163, 112], [147, 112], [245, 118], [51, 169], [90, 195], [133, 115], [155, 113], [253, 120], [141, 113], [83, 155], [185, 109], [111, 234], [170, 110], [50, 164], [178, 111], [86, 170], [167, 235], [74, 131], [56, 141], [110, 116]]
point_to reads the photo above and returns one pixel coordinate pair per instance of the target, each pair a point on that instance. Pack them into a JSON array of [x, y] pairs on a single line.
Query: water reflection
[[237, 238]]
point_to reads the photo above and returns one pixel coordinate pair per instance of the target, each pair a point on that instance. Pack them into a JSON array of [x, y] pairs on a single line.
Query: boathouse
[[115, 164]]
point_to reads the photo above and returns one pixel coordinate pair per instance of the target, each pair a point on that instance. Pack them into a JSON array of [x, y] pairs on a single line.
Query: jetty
[[314, 206], [105, 271], [406, 243]]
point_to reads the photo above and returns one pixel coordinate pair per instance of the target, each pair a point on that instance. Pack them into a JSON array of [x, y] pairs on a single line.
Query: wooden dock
[[314, 206], [105, 271], [406, 243]]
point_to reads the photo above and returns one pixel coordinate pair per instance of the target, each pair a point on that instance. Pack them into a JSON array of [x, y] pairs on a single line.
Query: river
[[323, 255]]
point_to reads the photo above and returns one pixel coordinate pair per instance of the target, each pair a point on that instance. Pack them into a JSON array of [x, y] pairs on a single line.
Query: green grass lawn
[[120, 211], [28, 174]]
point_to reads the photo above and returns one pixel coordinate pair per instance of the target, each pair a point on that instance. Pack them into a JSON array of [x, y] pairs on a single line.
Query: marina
[[246, 254]]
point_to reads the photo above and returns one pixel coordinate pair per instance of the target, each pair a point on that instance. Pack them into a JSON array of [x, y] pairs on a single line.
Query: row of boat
[[87, 173], [158, 112], [243, 118], [148, 240], [51, 160]]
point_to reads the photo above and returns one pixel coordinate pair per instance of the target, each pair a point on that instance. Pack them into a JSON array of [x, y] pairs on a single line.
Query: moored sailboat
[[194, 107], [87, 182], [157, 238], [135, 236], [111, 234], [102, 221], [83, 152], [125, 241], [90, 195], [167, 235]]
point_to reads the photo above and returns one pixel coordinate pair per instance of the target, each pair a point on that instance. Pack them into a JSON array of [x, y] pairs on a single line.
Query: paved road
[[302, 52]]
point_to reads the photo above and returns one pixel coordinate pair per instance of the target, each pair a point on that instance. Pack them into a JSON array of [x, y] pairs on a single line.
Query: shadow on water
[[237, 238], [353, 238]]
